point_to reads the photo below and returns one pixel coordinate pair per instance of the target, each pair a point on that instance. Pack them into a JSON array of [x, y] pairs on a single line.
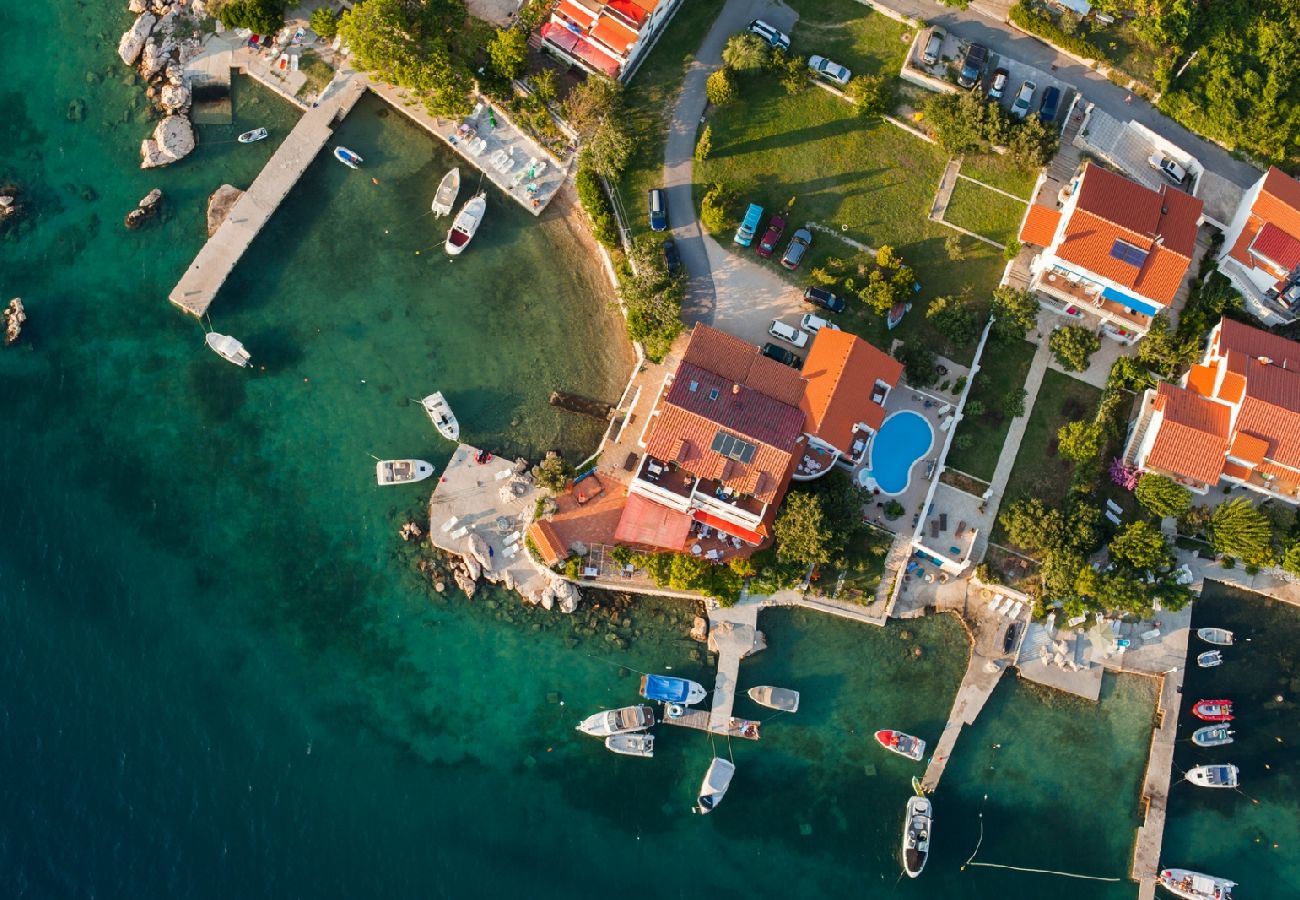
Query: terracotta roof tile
[[1193, 435], [841, 371], [614, 34], [649, 524], [1233, 387], [1274, 245], [1249, 448], [1279, 201], [1201, 379], [1187, 408], [1255, 342], [1241, 249], [1232, 470], [547, 541], [1040, 226]]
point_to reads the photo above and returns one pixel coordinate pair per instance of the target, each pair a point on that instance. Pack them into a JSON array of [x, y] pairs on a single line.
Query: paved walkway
[[943, 196], [1155, 786]]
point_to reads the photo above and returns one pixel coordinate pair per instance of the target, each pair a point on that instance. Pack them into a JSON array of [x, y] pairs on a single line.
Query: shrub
[[893, 509], [1072, 345], [715, 208], [745, 52], [1013, 404], [1239, 529], [1080, 441], [1123, 474], [508, 51], [952, 245], [1040, 23], [324, 22], [704, 146], [591, 194], [721, 88], [955, 318], [872, 94], [1011, 250], [1162, 497], [794, 75], [918, 363], [552, 473], [261, 16]]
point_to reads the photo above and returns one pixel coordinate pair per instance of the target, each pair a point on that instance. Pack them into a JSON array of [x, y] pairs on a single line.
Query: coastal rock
[[563, 594], [479, 550], [156, 56], [144, 209], [508, 580], [220, 204], [174, 98], [137, 6], [133, 38], [700, 629], [172, 140], [547, 600], [14, 316], [467, 585]]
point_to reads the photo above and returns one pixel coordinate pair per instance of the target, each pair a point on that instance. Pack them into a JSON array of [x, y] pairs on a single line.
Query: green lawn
[[999, 171], [985, 212], [318, 72], [1002, 371], [865, 556], [1039, 471], [851, 34]]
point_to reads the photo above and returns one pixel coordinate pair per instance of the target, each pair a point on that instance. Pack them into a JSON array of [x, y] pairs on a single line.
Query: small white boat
[[443, 418], [402, 471], [916, 835], [228, 348], [783, 699], [348, 157], [631, 744], [902, 744], [1220, 636], [1209, 659], [1217, 776], [1194, 885], [444, 201], [249, 137], [714, 786], [1212, 736], [466, 224], [618, 721]]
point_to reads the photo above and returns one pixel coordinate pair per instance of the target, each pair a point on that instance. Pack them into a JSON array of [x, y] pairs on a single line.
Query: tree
[[1239, 529], [889, 283], [261, 16], [704, 146], [952, 245], [1015, 313], [918, 363], [508, 52], [842, 501], [955, 318], [1161, 350], [1291, 559], [407, 45], [801, 534], [607, 150], [721, 87], [964, 122], [715, 208], [596, 205], [1032, 525], [1080, 441], [1162, 497], [1141, 546], [552, 473], [591, 104], [324, 22], [652, 297], [544, 85], [792, 74], [872, 94], [745, 52], [1033, 144], [1072, 345]]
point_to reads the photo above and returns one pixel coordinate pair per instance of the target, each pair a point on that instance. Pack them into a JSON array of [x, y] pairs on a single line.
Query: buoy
[[374, 181]]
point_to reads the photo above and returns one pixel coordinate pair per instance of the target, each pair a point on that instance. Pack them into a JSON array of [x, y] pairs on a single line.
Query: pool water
[[904, 438]]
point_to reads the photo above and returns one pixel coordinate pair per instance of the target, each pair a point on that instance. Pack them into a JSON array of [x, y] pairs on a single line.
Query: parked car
[[795, 250], [672, 259], [782, 355], [972, 67], [831, 71], [771, 237], [658, 210], [749, 225], [1020, 106], [998, 86], [773, 36], [930, 55], [1172, 170], [787, 333], [813, 323], [1050, 105], [823, 298]]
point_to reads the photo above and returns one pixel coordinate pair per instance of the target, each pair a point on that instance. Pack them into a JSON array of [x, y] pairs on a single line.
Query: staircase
[[1140, 428]]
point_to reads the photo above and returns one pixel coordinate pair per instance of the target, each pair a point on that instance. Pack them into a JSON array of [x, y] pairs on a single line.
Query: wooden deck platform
[[701, 720]]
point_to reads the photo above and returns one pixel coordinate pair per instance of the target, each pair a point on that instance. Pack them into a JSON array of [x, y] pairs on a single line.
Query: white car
[[788, 333], [774, 36], [1173, 170], [1020, 106], [831, 71], [813, 323]]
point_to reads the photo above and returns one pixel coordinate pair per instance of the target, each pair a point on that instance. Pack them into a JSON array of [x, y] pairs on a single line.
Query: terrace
[[817, 461]]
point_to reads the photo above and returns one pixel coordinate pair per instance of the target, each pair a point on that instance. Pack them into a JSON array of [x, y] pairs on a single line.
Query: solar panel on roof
[[733, 447], [1127, 253]]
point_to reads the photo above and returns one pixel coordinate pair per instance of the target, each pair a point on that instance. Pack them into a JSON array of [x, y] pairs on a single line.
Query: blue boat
[[348, 157], [669, 689]]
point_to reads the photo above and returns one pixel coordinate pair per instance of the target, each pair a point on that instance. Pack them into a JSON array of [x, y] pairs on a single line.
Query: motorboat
[[1220, 636], [902, 744], [443, 418], [228, 348], [249, 137], [1009, 639], [618, 721], [402, 471], [348, 157], [1209, 659], [444, 201], [916, 835], [1213, 710], [1195, 885], [783, 699], [631, 744], [1216, 776], [466, 224], [1212, 736], [714, 786], [670, 689]]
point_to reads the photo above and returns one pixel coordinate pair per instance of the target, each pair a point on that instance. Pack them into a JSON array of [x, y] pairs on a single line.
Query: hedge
[[596, 205], [1040, 23]]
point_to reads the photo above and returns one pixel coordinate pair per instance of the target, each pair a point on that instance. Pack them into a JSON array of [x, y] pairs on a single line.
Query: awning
[[1124, 299], [652, 525], [750, 537]]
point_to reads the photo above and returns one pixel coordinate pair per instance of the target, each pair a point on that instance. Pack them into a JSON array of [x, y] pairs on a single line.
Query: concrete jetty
[[733, 631], [199, 285], [1155, 786]]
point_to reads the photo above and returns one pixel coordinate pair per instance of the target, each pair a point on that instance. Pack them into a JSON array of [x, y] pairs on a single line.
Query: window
[[713, 394], [733, 447], [695, 385]]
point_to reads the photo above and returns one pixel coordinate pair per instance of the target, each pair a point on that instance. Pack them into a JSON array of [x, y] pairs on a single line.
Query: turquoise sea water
[[220, 674]]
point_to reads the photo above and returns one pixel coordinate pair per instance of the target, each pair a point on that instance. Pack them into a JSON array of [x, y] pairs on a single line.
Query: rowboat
[[1220, 636], [1213, 710], [714, 786], [902, 744], [1209, 659], [1212, 736], [402, 471], [783, 699], [347, 157], [444, 200], [249, 137]]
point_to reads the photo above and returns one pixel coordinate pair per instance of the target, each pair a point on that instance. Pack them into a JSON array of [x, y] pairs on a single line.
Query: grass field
[[985, 212], [998, 170], [851, 34], [1040, 471], [1002, 371]]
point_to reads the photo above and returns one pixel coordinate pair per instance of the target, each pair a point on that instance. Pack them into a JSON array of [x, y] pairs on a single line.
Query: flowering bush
[[1123, 474]]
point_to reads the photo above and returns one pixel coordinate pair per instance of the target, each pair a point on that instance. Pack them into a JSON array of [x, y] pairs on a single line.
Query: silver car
[[1020, 107], [831, 71]]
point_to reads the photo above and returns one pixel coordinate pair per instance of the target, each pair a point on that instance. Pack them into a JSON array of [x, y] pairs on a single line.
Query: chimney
[[735, 389], [1266, 360]]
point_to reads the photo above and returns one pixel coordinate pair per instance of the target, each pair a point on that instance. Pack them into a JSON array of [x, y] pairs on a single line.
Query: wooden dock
[[199, 285], [1155, 787], [701, 720]]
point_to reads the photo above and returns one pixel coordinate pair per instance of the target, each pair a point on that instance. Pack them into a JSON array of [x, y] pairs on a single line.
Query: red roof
[[1040, 226], [614, 34], [1193, 435], [726, 527], [629, 10], [1256, 343], [548, 542], [738, 361], [577, 46], [652, 525], [1278, 206], [841, 372], [1276, 246]]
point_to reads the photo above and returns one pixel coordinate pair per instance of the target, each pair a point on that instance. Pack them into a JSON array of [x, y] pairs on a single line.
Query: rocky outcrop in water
[[220, 204], [151, 44], [14, 316], [562, 594], [144, 210], [9, 205], [172, 140], [133, 40]]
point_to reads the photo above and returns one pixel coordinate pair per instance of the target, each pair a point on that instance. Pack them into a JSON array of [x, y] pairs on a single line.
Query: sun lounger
[[513, 538], [943, 521], [1151, 635], [1112, 518], [460, 532], [510, 551], [503, 474], [1114, 507], [1017, 608], [590, 572], [450, 524], [961, 529]]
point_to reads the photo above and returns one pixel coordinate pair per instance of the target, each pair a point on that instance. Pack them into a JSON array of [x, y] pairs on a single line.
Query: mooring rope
[[1044, 871]]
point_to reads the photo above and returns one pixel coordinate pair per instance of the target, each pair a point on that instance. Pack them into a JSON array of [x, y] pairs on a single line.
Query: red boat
[[1213, 710], [902, 744]]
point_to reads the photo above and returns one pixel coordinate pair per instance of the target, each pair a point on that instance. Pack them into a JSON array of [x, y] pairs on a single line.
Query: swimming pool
[[904, 438]]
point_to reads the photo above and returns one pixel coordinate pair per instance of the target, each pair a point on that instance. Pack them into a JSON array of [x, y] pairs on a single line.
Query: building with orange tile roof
[[608, 37], [847, 382], [1235, 417], [1122, 248], [1261, 248]]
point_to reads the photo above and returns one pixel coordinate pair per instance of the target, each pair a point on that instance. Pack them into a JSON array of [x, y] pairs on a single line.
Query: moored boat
[[900, 743], [348, 157], [1212, 736], [670, 689], [1213, 710], [783, 699], [444, 200], [631, 744], [916, 835], [618, 721], [249, 137], [228, 348], [402, 471], [1220, 636], [466, 224], [1209, 659], [1215, 776], [440, 413], [1195, 885], [714, 786]]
